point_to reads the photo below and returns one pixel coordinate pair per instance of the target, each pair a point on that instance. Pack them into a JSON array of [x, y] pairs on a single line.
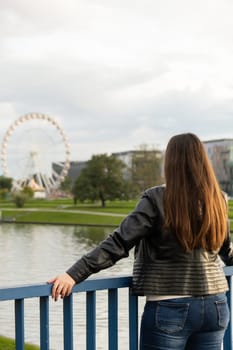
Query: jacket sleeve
[[226, 251], [116, 246]]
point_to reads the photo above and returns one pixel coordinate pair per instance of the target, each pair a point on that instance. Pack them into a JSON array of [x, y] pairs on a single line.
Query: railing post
[[112, 319], [68, 322], [227, 342], [133, 321], [91, 320], [44, 323], [19, 324]]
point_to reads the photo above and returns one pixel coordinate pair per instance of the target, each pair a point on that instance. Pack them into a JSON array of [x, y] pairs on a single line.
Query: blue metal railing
[[43, 292]]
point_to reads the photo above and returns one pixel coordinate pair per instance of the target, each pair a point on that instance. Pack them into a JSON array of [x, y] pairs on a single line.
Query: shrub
[[19, 198]]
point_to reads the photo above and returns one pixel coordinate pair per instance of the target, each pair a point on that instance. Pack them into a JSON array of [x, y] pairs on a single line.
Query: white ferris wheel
[[35, 148]]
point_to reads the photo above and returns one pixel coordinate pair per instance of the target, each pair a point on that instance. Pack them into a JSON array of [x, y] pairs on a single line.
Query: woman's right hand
[[62, 285]]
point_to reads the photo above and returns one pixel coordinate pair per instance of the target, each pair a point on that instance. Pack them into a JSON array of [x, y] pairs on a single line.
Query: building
[[143, 167], [74, 170], [220, 153], [127, 158]]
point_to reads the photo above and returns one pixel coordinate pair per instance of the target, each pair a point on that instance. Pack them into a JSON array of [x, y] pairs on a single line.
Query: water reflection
[[91, 235], [35, 253], [31, 253]]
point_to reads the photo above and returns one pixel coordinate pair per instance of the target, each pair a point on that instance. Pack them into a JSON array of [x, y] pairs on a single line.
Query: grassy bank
[[9, 344], [59, 217], [63, 211], [67, 204]]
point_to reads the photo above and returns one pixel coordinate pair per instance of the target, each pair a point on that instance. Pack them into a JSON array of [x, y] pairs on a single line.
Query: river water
[[35, 253]]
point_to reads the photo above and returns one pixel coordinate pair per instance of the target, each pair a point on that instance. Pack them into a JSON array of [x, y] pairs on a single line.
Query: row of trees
[[107, 178]]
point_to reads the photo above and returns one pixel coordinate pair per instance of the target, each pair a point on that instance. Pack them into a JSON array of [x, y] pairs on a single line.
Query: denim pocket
[[223, 313], [170, 317]]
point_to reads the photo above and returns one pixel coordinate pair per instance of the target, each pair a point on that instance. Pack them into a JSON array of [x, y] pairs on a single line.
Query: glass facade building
[[220, 153]]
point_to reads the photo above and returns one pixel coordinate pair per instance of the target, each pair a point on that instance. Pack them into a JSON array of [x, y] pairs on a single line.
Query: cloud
[[117, 74]]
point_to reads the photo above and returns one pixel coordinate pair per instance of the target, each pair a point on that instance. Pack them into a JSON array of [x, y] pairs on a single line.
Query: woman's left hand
[[62, 285]]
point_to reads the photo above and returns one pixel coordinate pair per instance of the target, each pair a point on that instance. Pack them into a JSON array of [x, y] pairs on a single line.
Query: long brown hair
[[195, 209]]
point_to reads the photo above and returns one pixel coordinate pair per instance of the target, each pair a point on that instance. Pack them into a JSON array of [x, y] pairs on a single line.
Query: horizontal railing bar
[[100, 283], [27, 291], [41, 290]]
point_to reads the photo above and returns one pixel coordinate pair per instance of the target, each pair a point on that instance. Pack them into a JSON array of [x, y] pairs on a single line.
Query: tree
[[146, 168], [5, 182], [66, 185], [19, 198], [5, 186], [101, 179]]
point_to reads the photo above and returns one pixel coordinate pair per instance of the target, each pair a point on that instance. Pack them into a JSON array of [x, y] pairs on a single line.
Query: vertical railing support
[[19, 324], [133, 321], [91, 320], [227, 343], [68, 322], [44, 323], [113, 319]]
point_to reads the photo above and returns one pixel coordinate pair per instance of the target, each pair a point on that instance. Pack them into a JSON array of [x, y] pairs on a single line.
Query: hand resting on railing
[[62, 285]]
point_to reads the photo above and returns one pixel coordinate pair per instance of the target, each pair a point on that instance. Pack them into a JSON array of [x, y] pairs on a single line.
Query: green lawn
[[63, 211], [68, 203], [9, 344], [59, 217]]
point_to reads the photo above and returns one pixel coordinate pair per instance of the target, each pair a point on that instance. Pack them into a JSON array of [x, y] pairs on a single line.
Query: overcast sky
[[118, 73]]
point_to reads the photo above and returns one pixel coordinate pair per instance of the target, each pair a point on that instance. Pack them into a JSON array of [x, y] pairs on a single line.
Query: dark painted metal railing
[[43, 292]]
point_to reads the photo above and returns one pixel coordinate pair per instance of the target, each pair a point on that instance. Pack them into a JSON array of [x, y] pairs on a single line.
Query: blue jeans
[[190, 323]]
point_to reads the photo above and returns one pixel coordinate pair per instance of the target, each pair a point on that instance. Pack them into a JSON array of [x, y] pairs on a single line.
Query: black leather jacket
[[161, 267]]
